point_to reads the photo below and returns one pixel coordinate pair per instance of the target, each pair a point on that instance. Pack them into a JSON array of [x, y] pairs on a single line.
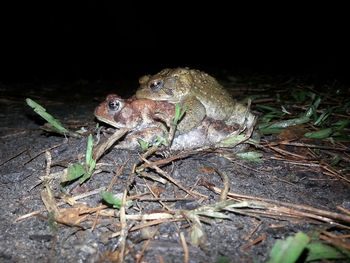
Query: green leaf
[[289, 250], [289, 122], [232, 140], [143, 144], [323, 117], [321, 134], [160, 141], [197, 234], [75, 171], [250, 156], [321, 251], [300, 95], [268, 109], [86, 176], [90, 163], [179, 113], [214, 214], [92, 166], [223, 259], [88, 155], [56, 124], [270, 130], [341, 124], [312, 110], [336, 160], [111, 198]]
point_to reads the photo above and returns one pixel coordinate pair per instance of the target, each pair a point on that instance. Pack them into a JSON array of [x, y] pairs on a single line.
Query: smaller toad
[[148, 119], [132, 113]]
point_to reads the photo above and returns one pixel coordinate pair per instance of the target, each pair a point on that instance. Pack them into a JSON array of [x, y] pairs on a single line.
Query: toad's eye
[[114, 105], [156, 85]]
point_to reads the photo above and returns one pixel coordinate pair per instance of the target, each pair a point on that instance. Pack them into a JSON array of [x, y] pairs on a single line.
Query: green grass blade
[[90, 163], [74, 171], [143, 144], [250, 156], [56, 124], [290, 122], [88, 155], [321, 134], [289, 250], [111, 199], [179, 113], [321, 251]]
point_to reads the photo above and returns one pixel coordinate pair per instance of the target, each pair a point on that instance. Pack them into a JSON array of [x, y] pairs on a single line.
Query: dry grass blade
[[153, 177], [185, 247], [70, 200], [168, 177], [337, 242], [103, 147], [124, 230], [302, 160], [148, 224], [226, 182], [165, 161], [152, 192], [12, 157], [49, 201], [285, 208], [288, 143], [254, 242]]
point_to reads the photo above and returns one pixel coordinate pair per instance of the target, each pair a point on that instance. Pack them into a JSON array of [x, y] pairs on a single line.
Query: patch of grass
[[82, 171], [53, 124], [250, 156], [311, 115], [113, 199], [300, 248], [179, 113], [266, 127]]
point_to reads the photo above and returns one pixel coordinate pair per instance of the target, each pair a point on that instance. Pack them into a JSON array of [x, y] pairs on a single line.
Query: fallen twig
[[168, 177]]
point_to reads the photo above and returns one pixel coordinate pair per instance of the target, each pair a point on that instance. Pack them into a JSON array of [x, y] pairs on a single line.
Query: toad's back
[[217, 101]]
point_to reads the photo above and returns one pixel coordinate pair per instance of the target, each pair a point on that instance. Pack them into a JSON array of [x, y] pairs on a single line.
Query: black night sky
[[105, 40]]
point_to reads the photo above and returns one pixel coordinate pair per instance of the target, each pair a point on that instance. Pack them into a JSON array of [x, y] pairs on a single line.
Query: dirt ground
[[243, 237]]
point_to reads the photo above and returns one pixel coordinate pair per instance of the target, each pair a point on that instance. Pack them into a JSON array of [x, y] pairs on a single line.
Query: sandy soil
[[241, 238]]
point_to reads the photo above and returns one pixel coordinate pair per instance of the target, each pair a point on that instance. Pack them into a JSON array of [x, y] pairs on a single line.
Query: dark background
[[106, 40]]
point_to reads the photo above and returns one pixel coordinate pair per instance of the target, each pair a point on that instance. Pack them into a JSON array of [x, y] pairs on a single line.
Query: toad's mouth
[[110, 122], [161, 95]]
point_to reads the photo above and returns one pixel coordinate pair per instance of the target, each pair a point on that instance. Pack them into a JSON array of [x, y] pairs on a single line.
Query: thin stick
[[317, 211], [226, 182], [43, 151], [168, 177], [296, 144], [124, 229], [150, 189], [12, 157], [151, 223], [254, 242], [185, 248]]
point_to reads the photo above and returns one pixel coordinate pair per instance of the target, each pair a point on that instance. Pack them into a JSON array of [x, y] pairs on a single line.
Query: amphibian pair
[[211, 113]]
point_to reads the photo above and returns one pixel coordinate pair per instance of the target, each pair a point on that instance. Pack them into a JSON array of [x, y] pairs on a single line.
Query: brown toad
[[142, 117], [199, 93]]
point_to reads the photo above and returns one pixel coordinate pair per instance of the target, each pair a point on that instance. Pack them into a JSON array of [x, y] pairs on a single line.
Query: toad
[[149, 120], [199, 93], [133, 114]]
